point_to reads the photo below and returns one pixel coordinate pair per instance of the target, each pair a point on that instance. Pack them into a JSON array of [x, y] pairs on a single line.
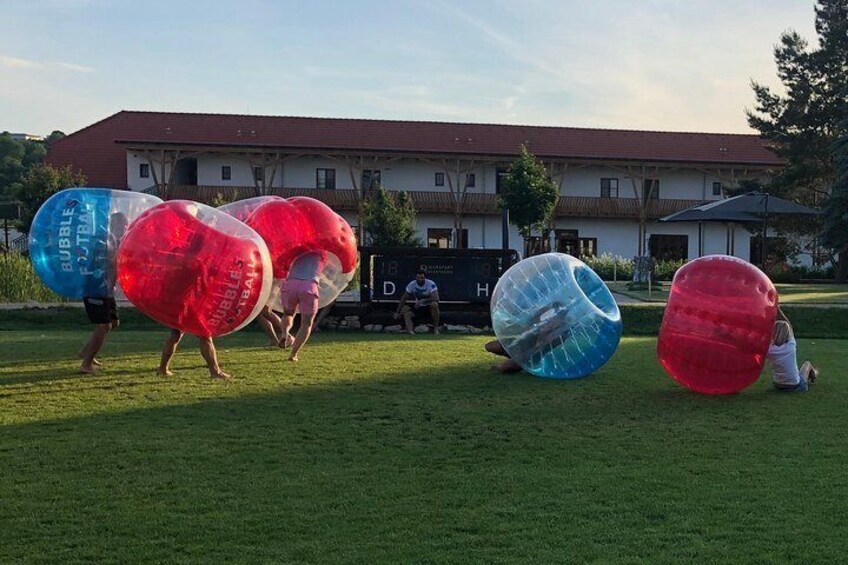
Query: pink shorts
[[300, 295]]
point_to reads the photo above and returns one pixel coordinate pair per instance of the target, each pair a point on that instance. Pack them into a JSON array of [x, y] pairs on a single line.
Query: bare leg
[[286, 325], [507, 366], [207, 349], [303, 333], [95, 361], [89, 351], [323, 313], [496, 347], [809, 372], [266, 322], [434, 313], [168, 350], [407, 319], [276, 322]]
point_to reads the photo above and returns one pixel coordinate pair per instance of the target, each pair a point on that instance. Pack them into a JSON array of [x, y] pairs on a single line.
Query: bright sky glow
[[636, 64]]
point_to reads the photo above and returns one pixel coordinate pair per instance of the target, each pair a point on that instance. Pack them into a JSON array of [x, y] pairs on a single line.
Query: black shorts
[[421, 312], [101, 309]]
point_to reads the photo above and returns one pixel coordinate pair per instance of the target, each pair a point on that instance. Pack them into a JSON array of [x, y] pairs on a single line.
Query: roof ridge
[[98, 122], [431, 122]]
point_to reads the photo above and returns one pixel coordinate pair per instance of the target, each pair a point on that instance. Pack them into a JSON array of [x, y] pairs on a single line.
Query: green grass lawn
[[789, 293], [408, 450]]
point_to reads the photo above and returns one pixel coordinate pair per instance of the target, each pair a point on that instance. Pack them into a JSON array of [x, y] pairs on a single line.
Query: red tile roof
[[95, 151]]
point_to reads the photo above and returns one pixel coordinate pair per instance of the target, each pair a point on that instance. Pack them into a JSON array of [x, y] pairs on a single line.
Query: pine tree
[[803, 125], [836, 212]]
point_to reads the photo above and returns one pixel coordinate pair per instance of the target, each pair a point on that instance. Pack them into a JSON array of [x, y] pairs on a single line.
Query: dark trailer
[[464, 276]]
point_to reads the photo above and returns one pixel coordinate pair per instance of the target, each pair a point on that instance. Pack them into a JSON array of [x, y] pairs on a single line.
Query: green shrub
[[19, 283], [664, 270], [784, 273], [221, 199], [611, 267]]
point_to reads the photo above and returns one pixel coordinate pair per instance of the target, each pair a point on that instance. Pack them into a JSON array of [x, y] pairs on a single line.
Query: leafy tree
[[16, 157], [836, 212], [11, 163], [529, 194], [54, 136], [803, 124], [39, 183], [389, 219]]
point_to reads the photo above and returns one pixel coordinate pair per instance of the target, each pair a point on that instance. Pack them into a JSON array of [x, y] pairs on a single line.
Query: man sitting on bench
[[426, 300]]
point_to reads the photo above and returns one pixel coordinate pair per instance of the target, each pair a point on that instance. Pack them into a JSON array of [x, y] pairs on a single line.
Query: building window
[[259, 174], [470, 180], [440, 179], [463, 239], [669, 247], [717, 191], [609, 188], [144, 170], [500, 174], [651, 189], [226, 172], [588, 246], [568, 241], [536, 245], [370, 179], [325, 178], [440, 238]]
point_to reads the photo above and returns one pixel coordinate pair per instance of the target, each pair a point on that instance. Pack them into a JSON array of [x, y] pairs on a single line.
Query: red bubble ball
[[717, 325], [194, 268], [298, 225]]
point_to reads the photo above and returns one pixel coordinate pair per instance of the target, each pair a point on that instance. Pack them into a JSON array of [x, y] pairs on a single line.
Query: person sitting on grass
[[207, 349], [300, 294], [426, 301], [786, 375]]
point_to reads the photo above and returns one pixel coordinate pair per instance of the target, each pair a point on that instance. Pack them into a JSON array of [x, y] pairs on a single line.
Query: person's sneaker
[[814, 374]]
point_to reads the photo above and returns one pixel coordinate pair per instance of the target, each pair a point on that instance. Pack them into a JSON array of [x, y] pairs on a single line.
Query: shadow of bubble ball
[[555, 317]]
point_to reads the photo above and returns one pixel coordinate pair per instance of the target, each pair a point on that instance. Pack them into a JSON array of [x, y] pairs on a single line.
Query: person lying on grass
[[508, 365], [786, 375]]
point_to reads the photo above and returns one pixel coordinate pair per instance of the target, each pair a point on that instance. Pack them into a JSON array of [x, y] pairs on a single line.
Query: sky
[[677, 65]]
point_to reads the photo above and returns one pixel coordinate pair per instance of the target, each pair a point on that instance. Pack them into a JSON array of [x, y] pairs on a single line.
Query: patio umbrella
[[763, 205], [748, 207], [707, 213]]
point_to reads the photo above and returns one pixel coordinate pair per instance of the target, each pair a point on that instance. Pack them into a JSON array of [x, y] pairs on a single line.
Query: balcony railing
[[345, 200]]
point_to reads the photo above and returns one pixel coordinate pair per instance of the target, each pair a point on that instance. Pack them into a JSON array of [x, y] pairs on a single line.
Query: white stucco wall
[[617, 237]]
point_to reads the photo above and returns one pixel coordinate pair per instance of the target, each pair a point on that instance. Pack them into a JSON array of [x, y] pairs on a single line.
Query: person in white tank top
[[782, 355]]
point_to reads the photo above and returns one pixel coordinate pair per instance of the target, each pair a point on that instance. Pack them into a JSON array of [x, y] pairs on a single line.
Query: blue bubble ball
[[555, 317], [74, 238]]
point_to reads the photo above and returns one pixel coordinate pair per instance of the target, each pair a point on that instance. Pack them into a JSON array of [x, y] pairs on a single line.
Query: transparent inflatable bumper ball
[[195, 269], [555, 317], [74, 238], [298, 226], [717, 325]]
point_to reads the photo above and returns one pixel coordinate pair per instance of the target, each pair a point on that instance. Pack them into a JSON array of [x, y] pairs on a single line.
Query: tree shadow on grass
[[409, 463]]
